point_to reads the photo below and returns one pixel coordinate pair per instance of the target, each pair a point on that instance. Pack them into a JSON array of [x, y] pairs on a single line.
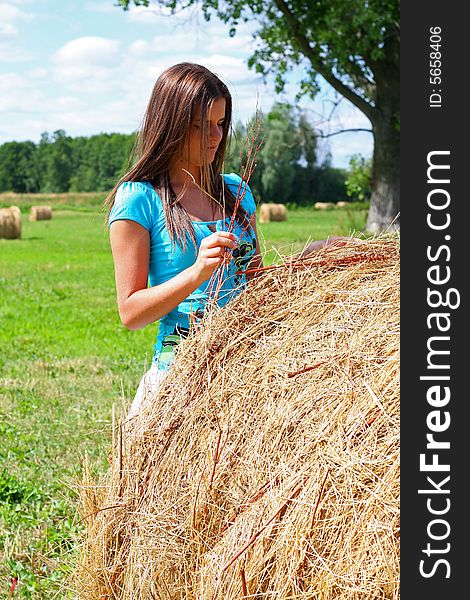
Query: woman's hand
[[337, 240], [211, 252]]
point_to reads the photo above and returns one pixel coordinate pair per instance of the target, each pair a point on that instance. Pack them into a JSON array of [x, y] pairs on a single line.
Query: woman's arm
[[337, 240], [139, 305]]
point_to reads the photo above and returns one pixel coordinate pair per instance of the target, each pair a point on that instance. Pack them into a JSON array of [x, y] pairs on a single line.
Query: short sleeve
[[133, 202], [248, 202]]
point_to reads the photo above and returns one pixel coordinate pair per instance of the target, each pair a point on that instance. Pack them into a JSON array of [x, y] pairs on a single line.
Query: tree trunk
[[385, 198]]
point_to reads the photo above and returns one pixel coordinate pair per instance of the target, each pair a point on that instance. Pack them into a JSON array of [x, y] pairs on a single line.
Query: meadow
[[67, 363]]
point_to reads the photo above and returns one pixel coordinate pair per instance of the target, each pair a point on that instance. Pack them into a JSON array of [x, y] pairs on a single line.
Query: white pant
[[147, 389]]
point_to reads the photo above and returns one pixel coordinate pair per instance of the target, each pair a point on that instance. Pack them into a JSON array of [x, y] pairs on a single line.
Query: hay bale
[[272, 212], [10, 223], [323, 205], [40, 213], [267, 465], [341, 204]]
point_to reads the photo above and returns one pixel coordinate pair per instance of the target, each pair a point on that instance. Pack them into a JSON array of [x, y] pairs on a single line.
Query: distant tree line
[[287, 166], [60, 163]]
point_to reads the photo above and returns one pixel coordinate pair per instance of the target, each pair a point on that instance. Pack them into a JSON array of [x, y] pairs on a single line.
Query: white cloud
[[87, 65], [140, 48], [87, 50], [106, 8], [17, 94], [21, 96], [11, 18], [7, 30], [239, 44], [149, 15], [10, 53], [206, 41], [178, 43], [97, 65], [38, 73], [26, 2], [10, 13], [69, 103]]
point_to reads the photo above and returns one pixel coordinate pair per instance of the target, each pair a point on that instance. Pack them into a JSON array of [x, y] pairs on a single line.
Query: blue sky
[[88, 67]]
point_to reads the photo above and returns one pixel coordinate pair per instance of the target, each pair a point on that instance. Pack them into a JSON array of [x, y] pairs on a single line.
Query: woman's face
[[215, 128]]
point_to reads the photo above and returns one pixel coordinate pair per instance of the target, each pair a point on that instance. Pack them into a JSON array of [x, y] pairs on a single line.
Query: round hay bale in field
[[10, 223], [272, 212], [40, 213], [341, 204], [323, 205], [267, 465]]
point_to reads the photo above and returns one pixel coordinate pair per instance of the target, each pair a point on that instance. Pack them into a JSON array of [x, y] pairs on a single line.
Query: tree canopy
[[287, 167], [60, 163]]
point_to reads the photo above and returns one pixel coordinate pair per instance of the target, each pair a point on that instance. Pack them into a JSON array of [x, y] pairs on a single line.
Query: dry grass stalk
[[239, 481], [10, 223], [40, 213], [250, 148]]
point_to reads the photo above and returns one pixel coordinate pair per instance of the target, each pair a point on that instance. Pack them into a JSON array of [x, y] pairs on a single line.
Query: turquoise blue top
[[138, 201]]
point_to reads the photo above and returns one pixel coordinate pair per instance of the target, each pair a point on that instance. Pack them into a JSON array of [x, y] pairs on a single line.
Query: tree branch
[[319, 65], [327, 135]]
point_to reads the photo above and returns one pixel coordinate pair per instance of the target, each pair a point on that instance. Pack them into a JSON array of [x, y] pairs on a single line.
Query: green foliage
[[14, 491], [236, 153], [100, 161], [60, 163], [286, 165], [280, 152], [17, 170], [359, 178], [331, 185], [352, 220], [55, 157]]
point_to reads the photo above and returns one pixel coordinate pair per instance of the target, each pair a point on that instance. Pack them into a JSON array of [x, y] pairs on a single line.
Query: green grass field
[[65, 360]]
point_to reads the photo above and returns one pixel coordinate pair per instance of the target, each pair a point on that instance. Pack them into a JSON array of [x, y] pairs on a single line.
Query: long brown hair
[[164, 134]]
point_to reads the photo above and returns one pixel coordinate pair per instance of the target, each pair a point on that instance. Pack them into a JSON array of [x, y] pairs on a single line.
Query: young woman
[[174, 242]]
